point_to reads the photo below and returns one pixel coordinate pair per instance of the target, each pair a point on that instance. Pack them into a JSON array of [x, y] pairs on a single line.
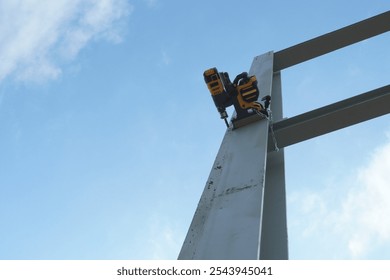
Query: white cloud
[[36, 37], [354, 214], [152, 3], [367, 207], [166, 59], [164, 239]]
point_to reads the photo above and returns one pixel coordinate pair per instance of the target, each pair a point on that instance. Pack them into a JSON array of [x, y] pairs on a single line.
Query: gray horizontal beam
[[332, 41], [338, 115]]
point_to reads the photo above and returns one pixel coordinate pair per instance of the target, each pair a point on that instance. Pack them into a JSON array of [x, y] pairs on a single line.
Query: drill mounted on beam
[[243, 94]]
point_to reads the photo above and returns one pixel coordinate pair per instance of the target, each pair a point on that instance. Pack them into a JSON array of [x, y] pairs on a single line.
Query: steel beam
[[227, 222], [332, 41], [274, 241], [339, 115], [242, 210]]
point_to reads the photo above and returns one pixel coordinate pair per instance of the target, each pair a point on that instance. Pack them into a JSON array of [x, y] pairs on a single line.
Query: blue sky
[[108, 132]]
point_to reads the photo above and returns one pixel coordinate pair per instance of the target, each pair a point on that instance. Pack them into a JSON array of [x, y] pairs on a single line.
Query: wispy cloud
[[354, 214], [164, 239], [36, 37], [165, 58], [367, 206], [152, 3]]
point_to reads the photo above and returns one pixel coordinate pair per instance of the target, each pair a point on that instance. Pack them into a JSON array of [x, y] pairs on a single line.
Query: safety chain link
[[271, 125]]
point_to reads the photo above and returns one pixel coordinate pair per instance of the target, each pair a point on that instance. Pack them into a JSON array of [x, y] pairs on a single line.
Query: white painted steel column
[[227, 222]]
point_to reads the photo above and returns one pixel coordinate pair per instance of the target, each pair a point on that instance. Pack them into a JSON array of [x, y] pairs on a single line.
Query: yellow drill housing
[[213, 81], [243, 93], [248, 93]]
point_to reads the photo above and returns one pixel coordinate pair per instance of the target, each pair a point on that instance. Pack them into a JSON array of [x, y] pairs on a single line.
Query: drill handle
[[239, 77]]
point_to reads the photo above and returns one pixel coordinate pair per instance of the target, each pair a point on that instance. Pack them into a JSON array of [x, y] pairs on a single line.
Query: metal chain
[[271, 125]]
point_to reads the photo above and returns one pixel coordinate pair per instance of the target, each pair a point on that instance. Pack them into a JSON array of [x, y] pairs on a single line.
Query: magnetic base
[[237, 123]]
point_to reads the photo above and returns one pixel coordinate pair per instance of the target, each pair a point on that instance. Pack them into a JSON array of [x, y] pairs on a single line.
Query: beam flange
[[332, 41], [326, 119], [274, 235]]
